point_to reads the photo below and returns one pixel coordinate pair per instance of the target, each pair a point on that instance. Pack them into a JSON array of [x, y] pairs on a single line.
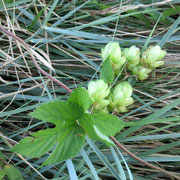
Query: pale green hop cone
[[113, 51], [141, 72], [152, 56], [132, 55], [98, 90], [121, 97]]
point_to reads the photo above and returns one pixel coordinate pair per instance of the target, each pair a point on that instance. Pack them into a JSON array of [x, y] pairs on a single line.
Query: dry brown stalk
[[170, 174]]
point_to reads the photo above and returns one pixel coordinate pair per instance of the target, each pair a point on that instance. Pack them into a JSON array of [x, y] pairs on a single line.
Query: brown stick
[[144, 162], [33, 59]]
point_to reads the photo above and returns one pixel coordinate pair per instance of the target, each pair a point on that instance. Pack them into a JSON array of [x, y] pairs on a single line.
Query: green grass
[[69, 35]]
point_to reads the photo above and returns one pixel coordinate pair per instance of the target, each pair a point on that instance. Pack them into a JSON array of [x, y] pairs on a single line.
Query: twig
[[142, 161], [33, 59]]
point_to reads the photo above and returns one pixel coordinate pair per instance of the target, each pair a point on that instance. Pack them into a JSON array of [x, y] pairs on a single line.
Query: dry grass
[[73, 59]]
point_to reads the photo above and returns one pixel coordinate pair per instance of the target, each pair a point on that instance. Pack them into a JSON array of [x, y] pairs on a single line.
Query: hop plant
[[121, 97], [141, 72], [72, 118], [98, 90], [152, 56], [113, 51], [101, 110], [132, 54]]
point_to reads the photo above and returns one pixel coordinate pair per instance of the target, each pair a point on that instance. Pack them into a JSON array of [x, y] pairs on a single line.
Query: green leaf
[[2, 174], [107, 123], [81, 96], [58, 112], [106, 72], [68, 140], [36, 146], [68, 136], [69, 144], [92, 131], [12, 173], [100, 126]]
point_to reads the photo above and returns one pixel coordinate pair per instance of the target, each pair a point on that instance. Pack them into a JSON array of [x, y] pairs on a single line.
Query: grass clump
[[66, 38]]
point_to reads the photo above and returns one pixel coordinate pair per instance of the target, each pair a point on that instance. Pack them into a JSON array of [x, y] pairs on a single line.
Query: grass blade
[[103, 158], [169, 33], [72, 171]]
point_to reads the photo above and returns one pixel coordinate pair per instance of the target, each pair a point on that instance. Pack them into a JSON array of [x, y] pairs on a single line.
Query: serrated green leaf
[[69, 144], [102, 136], [94, 132], [106, 72], [81, 97], [108, 124], [68, 140], [12, 173], [100, 126], [58, 112], [68, 136], [42, 142]]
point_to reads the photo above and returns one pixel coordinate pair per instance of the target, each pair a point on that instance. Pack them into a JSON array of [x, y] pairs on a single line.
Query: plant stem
[[33, 59], [144, 162]]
